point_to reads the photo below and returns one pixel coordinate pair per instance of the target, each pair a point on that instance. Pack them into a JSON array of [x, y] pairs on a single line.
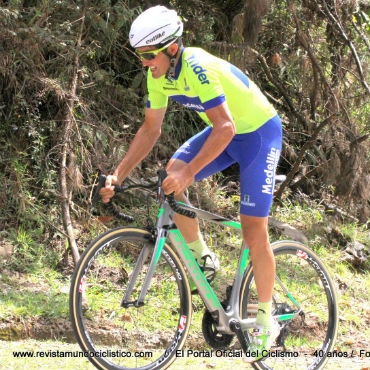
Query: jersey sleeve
[[156, 99], [208, 86]]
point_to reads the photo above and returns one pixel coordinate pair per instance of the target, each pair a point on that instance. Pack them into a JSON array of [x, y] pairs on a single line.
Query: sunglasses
[[151, 54]]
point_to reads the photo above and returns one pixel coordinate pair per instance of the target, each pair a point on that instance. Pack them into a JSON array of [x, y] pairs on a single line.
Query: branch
[[281, 89], [45, 217], [306, 176], [303, 39], [315, 63], [358, 141], [363, 37], [350, 44], [300, 156]]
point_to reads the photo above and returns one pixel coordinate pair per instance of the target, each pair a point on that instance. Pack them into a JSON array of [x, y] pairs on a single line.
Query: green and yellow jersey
[[203, 81]]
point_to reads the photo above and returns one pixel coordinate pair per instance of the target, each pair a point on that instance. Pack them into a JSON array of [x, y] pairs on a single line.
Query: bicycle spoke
[[303, 283]]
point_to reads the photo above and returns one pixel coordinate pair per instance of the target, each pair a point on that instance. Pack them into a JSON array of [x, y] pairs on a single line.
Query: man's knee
[[257, 240], [255, 231]]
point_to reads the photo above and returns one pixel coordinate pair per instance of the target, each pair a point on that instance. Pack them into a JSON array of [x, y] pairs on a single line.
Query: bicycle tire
[[146, 337], [308, 339]]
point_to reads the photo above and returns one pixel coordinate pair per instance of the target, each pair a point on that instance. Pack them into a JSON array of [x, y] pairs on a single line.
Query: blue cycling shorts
[[257, 154]]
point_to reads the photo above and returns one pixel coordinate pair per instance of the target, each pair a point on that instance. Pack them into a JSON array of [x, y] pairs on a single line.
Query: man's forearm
[[215, 144], [140, 147]]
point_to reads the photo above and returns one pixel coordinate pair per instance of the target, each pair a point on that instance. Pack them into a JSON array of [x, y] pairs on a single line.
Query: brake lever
[[101, 184], [162, 174], [116, 213]]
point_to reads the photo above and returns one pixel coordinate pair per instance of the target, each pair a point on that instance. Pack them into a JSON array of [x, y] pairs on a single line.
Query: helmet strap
[[170, 74]]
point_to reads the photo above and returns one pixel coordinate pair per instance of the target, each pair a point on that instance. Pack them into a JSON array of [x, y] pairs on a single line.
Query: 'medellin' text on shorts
[[271, 163]]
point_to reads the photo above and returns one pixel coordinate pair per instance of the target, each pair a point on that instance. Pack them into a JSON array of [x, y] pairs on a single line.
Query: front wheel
[[304, 304], [117, 336]]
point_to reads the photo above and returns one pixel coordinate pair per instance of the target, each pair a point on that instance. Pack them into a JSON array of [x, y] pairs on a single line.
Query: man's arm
[[222, 133], [141, 145]]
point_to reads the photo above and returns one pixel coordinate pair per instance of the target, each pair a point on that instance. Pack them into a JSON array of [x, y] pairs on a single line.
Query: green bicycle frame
[[165, 228]]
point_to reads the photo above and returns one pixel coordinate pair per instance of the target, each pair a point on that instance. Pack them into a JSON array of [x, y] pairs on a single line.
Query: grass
[[41, 294]]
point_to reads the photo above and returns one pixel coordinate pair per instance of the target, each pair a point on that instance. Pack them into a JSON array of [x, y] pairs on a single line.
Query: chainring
[[212, 336]]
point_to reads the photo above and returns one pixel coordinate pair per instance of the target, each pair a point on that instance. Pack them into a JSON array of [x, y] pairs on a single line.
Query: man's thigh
[[191, 148], [257, 171]]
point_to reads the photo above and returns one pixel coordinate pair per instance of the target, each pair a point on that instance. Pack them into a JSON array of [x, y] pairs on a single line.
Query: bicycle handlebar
[[112, 208], [177, 208], [162, 174]]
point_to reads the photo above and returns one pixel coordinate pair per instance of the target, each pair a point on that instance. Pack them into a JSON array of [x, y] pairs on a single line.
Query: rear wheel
[[130, 337], [304, 304]]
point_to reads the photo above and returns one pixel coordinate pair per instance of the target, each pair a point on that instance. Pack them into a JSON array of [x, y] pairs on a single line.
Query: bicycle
[[130, 298]]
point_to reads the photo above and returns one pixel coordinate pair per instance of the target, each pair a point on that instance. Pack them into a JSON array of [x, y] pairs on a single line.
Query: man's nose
[[145, 62]]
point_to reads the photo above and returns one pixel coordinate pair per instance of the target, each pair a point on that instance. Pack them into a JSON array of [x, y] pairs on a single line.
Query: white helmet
[[156, 25]]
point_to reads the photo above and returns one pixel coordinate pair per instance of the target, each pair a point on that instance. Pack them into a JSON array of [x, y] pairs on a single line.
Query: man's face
[[159, 65]]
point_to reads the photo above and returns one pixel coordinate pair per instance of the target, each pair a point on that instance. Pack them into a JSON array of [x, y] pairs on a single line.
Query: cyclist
[[243, 127]]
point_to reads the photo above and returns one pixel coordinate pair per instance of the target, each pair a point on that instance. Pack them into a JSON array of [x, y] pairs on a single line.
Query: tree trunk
[[65, 141]]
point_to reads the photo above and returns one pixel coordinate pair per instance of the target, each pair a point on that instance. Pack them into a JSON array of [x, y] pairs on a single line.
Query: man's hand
[[177, 180], [108, 192]]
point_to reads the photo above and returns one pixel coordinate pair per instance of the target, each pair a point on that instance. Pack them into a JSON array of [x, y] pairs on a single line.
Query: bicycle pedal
[[237, 329], [133, 304]]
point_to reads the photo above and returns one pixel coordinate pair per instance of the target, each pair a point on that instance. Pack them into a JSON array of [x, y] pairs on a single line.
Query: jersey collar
[[179, 65]]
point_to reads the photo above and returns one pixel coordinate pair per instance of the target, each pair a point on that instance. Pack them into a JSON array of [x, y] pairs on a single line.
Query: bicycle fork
[[143, 256], [163, 218]]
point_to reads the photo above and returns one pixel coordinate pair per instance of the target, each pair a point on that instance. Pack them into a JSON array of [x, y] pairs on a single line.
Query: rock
[[10, 332], [335, 236], [6, 250], [287, 230], [356, 253]]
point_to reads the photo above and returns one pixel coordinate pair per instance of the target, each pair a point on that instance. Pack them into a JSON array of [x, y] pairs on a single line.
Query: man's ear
[[172, 49]]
